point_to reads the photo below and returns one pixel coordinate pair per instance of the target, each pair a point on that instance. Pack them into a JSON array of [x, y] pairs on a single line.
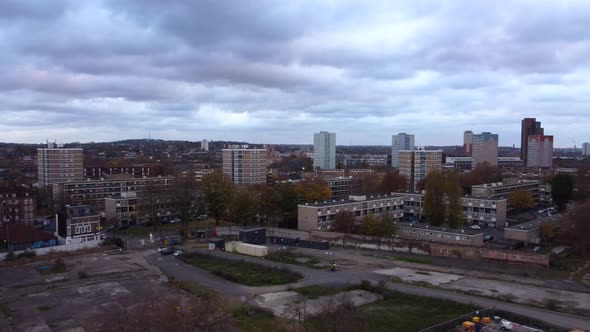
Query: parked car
[[175, 221], [536, 248], [203, 217], [161, 248], [541, 211], [167, 251], [475, 227], [505, 325], [488, 238], [178, 252]]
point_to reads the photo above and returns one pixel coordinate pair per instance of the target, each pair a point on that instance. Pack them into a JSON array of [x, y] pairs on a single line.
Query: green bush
[[26, 254]]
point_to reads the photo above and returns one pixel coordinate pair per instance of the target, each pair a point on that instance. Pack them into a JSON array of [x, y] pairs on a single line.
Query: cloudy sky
[[277, 71]]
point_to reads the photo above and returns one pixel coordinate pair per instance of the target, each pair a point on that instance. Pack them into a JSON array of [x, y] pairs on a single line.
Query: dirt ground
[[93, 290]]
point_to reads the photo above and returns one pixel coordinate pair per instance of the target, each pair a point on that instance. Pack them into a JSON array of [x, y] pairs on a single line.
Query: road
[[173, 267]]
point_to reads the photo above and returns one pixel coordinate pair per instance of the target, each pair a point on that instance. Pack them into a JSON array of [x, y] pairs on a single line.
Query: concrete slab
[[413, 275]]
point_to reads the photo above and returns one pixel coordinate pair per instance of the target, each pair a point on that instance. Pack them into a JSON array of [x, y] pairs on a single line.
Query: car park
[[488, 238], [541, 211], [178, 252], [167, 251], [475, 227], [203, 217], [161, 248], [505, 325]]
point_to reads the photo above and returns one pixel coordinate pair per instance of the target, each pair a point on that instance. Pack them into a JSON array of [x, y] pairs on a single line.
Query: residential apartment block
[[467, 143], [93, 192], [17, 206], [400, 142], [540, 151], [485, 149], [586, 149], [324, 150], [529, 126], [57, 165], [426, 232], [132, 171], [487, 212], [501, 190], [128, 209], [416, 164], [245, 166], [321, 215]]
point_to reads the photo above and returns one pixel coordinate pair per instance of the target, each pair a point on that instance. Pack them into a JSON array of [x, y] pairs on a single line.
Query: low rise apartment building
[[128, 209], [486, 212], [93, 192], [321, 215], [17, 206], [98, 172], [502, 190]]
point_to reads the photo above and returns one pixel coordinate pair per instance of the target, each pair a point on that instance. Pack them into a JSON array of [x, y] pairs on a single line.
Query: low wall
[[399, 244], [65, 247]]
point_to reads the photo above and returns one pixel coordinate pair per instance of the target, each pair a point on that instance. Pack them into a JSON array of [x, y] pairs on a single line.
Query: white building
[[399, 142], [205, 145], [586, 149], [540, 151], [324, 150]]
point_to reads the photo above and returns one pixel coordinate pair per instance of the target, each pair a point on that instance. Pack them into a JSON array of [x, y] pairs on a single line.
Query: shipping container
[[252, 249], [219, 244], [284, 241], [253, 236], [231, 246]]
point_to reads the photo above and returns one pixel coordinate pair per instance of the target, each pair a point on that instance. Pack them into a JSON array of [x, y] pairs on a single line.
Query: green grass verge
[[402, 312], [414, 260], [289, 257], [252, 319], [241, 272]]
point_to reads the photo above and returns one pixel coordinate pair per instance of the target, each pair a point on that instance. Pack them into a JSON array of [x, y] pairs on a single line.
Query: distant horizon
[[579, 146]]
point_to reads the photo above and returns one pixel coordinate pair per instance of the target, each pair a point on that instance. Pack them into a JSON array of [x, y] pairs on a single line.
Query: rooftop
[[527, 226], [355, 199]]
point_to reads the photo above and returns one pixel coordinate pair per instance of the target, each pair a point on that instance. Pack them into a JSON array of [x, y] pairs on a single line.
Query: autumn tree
[[313, 190], [454, 208], [434, 204], [244, 207], [392, 182], [521, 199], [368, 225], [344, 222], [547, 231], [366, 185], [575, 228], [562, 189], [385, 225], [185, 199], [218, 190], [482, 173], [278, 204]]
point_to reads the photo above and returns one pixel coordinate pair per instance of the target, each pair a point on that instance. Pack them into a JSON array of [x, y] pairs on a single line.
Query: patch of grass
[[195, 289], [404, 312], [59, 266], [423, 273], [251, 318], [44, 308], [289, 257], [315, 291], [5, 311], [242, 272]]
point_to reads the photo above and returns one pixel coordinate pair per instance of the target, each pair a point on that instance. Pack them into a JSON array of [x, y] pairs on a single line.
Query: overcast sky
[[278, 71]]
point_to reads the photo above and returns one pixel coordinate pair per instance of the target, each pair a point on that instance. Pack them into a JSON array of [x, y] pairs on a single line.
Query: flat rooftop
[[446, 229], [527, 226]]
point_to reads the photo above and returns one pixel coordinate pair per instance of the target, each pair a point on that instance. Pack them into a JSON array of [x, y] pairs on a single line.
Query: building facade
[[586, 149], [324, 150], [540, 151], [98, 172], [399, 142], [93, 192], [131, 210], [57, 165], [502, 190], [205, 145], [486, 212], [245, 166], [467, 142], [78, 224], [17, 206], [529, 126], [485, 149], [416, 164]]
